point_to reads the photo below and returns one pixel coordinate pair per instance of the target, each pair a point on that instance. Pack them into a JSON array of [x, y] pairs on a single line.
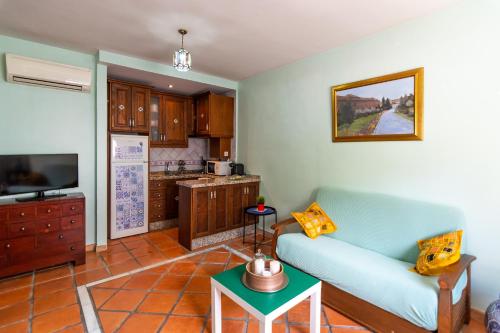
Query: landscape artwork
[[383, 108]]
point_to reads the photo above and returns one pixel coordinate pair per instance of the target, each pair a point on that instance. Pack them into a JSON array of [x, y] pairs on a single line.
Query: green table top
[[266, 303]]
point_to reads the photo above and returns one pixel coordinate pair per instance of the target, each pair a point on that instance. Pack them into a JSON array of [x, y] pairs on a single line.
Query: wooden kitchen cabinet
[[214, 115], [168, 126], [164, 199], [205, 211], [128, 107]]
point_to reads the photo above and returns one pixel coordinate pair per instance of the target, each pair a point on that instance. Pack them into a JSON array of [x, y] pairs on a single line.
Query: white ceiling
[[234, 39]]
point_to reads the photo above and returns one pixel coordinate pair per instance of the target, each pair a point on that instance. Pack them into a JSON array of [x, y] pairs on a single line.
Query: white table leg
[[216, 310], [265, 326], [315, 311]]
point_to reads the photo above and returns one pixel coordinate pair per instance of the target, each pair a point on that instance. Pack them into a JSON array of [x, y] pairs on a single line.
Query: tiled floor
[[169, 298]]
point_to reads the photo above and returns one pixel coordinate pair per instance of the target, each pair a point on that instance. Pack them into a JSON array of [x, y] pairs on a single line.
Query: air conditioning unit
[[43, 73]]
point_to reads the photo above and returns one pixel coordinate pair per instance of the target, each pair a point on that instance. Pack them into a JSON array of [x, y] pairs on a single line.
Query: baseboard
[[477, 315], [95, 248], [90, 248], [101, 248]]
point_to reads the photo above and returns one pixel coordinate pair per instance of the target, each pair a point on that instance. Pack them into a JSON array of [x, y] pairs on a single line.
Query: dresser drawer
[[20, 249], [22, 213], [21, 229], [158, 205], [157, 195], [60, 237], [158, 216], [48, 211], [74, 208], [71, 222], [3, 214], [46, 226], [3, 231], [157, 184]]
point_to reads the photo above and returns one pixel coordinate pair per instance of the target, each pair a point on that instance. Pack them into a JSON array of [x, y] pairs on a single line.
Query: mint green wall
[[43, 120], [285, 126]]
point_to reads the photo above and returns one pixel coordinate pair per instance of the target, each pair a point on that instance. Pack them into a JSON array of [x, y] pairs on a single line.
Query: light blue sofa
[[366, 263]]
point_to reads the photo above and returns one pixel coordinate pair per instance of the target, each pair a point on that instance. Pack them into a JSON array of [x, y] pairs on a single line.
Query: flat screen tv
[[37, 173]]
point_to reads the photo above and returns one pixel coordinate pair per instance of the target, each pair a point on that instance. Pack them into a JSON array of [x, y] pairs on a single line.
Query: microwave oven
[[219, 168]]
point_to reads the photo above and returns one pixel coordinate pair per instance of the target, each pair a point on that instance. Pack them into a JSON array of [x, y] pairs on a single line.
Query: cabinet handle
[[61, 236], [121, 107], [159, 206], [211, 195], [133, 122], [215, 195], [72, 221], [206, 127], [72, 248], [176, 121], [158, 195], [22, 228], [49, 211], [158, 184], [22, 214], [176, 198], [73, 207], [7, 246], [158, 216], [49, 225], [202, 115]]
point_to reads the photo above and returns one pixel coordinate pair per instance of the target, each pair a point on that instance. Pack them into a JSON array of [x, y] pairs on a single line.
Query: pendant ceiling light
[[182, 58]]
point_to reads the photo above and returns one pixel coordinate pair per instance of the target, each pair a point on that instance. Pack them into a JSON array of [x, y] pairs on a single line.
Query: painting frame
[[417, 74]]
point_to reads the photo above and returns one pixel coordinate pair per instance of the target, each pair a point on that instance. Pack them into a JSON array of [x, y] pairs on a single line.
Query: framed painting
[[384, 108]]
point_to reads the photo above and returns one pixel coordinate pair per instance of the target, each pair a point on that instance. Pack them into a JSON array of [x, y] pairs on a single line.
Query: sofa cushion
[[438, 252], [375, 278], [386, 224], [315, 221]]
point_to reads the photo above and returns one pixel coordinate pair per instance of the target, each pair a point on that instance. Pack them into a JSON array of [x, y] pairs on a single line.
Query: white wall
[[285, 126]]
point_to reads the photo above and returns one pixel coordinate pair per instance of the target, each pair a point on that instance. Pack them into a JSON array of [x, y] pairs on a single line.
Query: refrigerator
[[129, 185]]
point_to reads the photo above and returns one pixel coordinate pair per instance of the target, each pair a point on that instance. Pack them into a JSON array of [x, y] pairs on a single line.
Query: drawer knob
[[159, 205], [176, 198], [158, 184], [49, 211], [22, 228], [49, 225], [73, 207], [72, 221], [22, 214], [158, 216], [7, 246], [61, 236], [158, 195], [72, 248]]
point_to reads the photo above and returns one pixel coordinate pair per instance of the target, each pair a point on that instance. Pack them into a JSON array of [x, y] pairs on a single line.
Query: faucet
[[167, 167]]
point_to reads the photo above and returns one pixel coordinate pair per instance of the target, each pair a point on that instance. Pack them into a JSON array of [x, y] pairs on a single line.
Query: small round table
[[253, 211]]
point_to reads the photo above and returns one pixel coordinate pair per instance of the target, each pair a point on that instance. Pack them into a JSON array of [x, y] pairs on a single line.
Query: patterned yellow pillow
[[314, 221], [438, 252]]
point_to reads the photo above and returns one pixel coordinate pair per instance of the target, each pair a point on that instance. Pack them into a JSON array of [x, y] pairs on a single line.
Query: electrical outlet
[[226, 154]]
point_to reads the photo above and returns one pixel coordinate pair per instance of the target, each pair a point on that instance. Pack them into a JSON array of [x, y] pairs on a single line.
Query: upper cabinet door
[[140, 110], [221, 116], [202, 114], [119, 109], [191, 117], [175, 121], [156, 120]]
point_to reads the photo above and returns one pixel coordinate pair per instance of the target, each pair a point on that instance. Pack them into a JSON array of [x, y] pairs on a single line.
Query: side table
[[253, 211]]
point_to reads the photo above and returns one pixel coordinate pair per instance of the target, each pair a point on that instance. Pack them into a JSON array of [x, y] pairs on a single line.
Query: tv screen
[[37, 173]]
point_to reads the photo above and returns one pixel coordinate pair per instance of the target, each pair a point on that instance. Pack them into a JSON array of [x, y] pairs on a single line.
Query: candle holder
[[264, 284]]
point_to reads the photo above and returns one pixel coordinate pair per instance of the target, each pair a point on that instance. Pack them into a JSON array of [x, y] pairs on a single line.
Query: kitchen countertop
[[218, 181], [162, 176]]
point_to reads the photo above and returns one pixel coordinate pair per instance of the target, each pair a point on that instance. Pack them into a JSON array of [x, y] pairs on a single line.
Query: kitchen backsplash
[[192, 155]]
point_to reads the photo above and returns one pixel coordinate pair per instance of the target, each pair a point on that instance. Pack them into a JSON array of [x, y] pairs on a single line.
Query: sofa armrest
[[280, 229], [450, 275]]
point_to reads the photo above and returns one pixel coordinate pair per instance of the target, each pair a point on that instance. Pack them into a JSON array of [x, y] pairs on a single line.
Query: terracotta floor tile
[[116, 258], [14, 296], [253, 327], [335, 318], [173, 233], [144, 250], [52, 274], [92, 262], [54, 301], [174, 252], [46, 288], [176, 324], [142, 281], [91, 276], [100, 296], [300, 314], [136, 244], [171, 283], [125, 266], [209, 269], [217, 257], [167, 244], [115, 248], [199, 284], [73, 329], [193, 304], [357, 330], [142, 323], [151, 259], [183, 268], [475, 326], [160, 269], [115, 283], [196, 258], [130, 239], [14, 313], [305, 329], [158, 303], [232, 310], [111, 320], [124, 300], [21, 327], [56, 320], [17, 282]]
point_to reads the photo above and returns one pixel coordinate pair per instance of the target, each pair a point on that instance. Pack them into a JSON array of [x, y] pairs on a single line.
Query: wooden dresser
[[40, 234]]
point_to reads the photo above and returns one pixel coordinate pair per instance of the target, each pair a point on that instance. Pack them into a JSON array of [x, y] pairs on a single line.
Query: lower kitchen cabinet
[[164, 199], [209, 210]]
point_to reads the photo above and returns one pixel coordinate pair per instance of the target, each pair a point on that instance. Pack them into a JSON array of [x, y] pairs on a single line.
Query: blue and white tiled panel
[[129, 186], [197, 149]]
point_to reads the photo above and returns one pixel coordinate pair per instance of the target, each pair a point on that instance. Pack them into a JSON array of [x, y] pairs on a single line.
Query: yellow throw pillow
[[314, 221], [438, 252]]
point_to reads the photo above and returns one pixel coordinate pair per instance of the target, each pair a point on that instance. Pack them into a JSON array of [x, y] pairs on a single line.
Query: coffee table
[[266, 306]]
